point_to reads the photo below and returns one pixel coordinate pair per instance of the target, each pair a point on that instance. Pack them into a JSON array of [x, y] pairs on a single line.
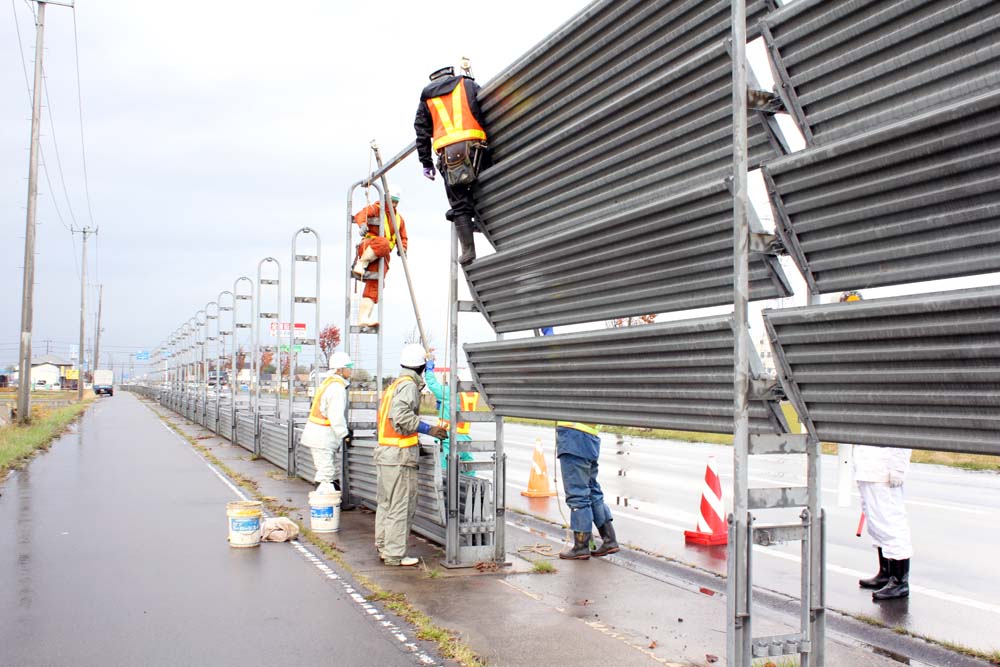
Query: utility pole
[[28, 281], [83, 308], [97, 331]]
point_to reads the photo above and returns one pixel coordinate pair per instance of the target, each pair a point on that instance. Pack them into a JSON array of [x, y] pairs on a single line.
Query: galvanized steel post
[[315, 342], [739, 633], [258, 348], [220, 359], [452, 534], [237, 325]]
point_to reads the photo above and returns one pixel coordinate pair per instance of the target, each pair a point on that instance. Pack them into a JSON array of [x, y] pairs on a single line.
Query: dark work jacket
[[424, 124]]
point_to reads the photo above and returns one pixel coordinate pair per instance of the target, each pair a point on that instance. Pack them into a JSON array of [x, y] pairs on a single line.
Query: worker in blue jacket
[[443, 397]]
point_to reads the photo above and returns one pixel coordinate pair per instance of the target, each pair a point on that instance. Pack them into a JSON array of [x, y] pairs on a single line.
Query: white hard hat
[[340, 360], [395, 193], [412, 356]]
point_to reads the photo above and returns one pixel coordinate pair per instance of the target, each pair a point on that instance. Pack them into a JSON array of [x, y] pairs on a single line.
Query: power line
[[55, 146], [79, 102]]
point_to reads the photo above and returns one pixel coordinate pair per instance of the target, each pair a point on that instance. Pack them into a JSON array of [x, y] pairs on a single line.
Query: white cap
[[413, 356], [340, 360], [395, 193]]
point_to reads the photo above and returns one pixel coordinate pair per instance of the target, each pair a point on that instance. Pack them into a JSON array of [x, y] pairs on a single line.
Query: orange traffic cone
[[538, 480], [712, 528]]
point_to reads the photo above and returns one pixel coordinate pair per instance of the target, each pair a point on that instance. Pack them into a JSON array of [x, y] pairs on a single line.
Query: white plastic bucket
[[324, 512], [244, 523]]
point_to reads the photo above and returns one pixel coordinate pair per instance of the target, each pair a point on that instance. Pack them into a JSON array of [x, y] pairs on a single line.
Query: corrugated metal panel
[[245, 430], [917, 200], [676, 375], [610, 45], [304, 466], [919, 371], [226, 423], [853, 65], [653, 256], [644, 139], [274, 442]]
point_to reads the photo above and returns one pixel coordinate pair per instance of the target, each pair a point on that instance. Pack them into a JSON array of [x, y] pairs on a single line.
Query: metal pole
[[83, 312], [738, 645], [390, 211], [28, 280], [205, 370], [97, 329], [235, 383], [452, 535]]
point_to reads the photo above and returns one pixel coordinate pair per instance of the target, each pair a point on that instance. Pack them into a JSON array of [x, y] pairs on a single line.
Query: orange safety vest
[[586, 428], [389, 234], [315, 416], [470, 399], [387, 433], [457, 125]]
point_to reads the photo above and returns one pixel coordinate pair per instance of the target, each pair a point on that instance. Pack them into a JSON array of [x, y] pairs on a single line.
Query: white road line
[[387, 624]]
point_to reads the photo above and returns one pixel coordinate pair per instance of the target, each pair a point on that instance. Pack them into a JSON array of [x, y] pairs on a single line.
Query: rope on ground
[[539, 549]]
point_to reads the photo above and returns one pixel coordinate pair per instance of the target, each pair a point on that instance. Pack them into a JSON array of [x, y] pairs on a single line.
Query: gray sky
[[213, 131]]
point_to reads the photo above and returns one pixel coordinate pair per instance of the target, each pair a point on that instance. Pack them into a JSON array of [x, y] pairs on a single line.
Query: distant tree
[[360, 375], [329, 339], [266, 361], [387, 380], [620, 322], [241, 358], [413, 336]]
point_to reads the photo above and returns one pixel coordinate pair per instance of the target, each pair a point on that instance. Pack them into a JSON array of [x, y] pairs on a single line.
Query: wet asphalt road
[[955, 588], [114, 552]]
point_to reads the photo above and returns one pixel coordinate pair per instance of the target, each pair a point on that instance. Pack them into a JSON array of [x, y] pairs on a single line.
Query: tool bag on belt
[[460, 162]]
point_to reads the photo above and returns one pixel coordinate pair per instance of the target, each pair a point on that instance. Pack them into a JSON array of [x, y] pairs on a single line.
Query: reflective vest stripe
[[387, 433], [586, 428], [315, 415], [388, 233], [470, 399], [451, 128]]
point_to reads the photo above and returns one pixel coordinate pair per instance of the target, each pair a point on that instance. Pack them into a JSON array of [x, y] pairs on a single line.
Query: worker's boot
[[463, 227], [581, 547], [362, 264], [609, 543], [899, 581], [366, 315], [880, 579]]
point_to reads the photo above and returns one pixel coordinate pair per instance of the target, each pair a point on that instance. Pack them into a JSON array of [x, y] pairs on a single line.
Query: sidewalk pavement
[[623, 610]]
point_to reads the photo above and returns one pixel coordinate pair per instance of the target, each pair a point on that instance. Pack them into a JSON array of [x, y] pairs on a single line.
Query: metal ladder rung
[[477, 446], [468, 307], [466, 385], [362, 426], [269, 316], [243, 297], [304, 341], [767, 534], [362, 405], [306, 258], [242, 326], [776, 645], [305, 299], [786, 496], [268, 281], [363, 330]]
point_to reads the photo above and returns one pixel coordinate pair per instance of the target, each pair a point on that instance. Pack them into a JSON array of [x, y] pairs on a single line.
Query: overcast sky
[[213, 131]]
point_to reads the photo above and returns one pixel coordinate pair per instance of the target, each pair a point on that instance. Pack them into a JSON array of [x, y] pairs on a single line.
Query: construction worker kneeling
[[578, 447], [379, 239], [396, 457]]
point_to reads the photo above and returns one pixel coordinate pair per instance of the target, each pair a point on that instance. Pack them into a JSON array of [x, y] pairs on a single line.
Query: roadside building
[[49, 371]]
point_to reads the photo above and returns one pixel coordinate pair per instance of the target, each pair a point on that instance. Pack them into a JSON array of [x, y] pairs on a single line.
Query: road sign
[[286, 327], [142, 356], [284, 348]]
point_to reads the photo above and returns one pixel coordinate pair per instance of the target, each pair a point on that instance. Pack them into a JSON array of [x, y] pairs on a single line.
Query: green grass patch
[[18, 443], [543, 567]]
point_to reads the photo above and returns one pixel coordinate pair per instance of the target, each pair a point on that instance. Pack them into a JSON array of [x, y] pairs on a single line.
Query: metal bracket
[[785, 443], [766, 244], [764, 100], [468, 307]]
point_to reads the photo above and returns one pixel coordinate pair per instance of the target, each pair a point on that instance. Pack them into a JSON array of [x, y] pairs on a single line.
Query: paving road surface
[[654, 487], [114, 552]]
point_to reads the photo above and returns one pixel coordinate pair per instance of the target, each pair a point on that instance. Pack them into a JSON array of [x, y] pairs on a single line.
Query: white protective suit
[[880, 473], [323, 441]]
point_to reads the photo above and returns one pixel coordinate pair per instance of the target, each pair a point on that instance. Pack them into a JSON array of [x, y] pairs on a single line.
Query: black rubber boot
[[581, 548], [609, 543], [463, 227], [899, 581], [880, 579]]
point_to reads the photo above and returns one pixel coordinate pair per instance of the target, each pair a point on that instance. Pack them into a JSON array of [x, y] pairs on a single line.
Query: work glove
[[429, 173], [429, 366], [895, 479], [349, 438], [437, 432]]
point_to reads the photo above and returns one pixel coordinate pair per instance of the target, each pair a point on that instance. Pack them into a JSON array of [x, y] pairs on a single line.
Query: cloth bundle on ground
[[278, 529]]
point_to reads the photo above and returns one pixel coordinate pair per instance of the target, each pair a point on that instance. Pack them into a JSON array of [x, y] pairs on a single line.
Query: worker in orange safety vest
[[326, 429], [379, 239], [450, 124]]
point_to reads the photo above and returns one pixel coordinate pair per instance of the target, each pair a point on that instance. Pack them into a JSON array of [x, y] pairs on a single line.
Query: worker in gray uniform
[[397, 455]]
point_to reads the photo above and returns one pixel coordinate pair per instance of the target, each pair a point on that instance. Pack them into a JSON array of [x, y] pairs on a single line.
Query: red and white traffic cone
[[712, 529]]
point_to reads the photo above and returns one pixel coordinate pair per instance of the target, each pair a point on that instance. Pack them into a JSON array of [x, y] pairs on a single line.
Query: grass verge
[[449, 645], [19, 443], [992, 657]]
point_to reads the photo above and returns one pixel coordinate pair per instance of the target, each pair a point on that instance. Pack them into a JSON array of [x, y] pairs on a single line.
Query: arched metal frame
[[299, 258], [205, 356], [234, 383], [258, 348], [220, 359]]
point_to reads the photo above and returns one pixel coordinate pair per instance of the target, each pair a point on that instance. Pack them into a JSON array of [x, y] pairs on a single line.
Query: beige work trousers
[[397, 503]]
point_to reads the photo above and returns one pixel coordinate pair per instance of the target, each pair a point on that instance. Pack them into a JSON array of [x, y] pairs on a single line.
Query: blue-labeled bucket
[[244, 523], [324, 512]]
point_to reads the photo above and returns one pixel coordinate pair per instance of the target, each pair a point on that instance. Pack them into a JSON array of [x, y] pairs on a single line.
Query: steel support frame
[[221, 351], [258, 348], [299, 258], [234, 381]]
